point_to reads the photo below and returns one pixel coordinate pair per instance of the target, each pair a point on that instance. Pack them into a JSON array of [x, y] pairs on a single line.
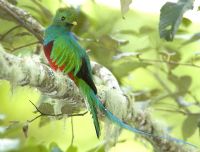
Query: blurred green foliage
[[171, 17], [132, 49]]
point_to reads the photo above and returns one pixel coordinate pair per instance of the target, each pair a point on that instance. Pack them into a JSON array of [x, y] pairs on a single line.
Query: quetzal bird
[[64, 53]]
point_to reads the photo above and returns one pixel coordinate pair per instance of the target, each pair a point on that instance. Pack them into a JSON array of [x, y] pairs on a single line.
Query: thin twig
[[52, 115], [143, 60], [177, 111], [10, 30], [22, 46], [72, 125], [29, 121], [26, 45]]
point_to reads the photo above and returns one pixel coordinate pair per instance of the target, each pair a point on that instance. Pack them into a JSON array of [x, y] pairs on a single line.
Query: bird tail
[[89, 94], [94, 103]]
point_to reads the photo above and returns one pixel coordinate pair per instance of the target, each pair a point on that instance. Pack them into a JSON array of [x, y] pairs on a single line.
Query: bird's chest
[[47, 51]]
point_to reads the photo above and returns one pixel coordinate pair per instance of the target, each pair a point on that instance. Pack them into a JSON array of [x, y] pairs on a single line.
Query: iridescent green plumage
[[67, 55], [64, 52], [70, 58]]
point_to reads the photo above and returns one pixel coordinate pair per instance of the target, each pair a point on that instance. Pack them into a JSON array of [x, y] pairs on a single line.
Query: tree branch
[[143, 60], [153, 61], [25, 71], [23, 18]]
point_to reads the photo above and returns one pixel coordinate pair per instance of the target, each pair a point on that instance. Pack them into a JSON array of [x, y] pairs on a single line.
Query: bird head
[[66, 17]]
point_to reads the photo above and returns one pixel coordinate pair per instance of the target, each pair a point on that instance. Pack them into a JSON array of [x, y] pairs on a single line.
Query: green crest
[[66, 16]]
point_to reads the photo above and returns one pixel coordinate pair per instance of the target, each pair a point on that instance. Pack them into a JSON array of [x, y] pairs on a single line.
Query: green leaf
[[123, 67], [44, 121], [194, 38], [142, 95], [54, 148], [36, 148], [72, 148], [98, 148], [171, 17], [186, 22], [125, 6], [106, 45], [174, 57], [101, 149], [146, 29], [189, 126], [128, 32], [182, 83]]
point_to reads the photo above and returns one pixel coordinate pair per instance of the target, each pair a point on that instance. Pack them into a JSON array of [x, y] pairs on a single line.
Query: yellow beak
[[74, 23]]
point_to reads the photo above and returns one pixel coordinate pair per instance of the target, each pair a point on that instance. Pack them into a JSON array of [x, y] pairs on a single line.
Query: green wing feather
[[66, 51]]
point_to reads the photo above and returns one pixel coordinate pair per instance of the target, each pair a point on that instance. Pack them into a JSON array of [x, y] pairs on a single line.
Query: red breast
[[47, 51]]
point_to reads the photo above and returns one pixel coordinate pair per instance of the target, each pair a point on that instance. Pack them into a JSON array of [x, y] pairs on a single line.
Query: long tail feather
[[88, 92], [94, 102], [93, 111], [119, 122]]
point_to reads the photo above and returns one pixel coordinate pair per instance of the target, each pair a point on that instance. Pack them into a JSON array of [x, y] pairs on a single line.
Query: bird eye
[[62, 18]]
